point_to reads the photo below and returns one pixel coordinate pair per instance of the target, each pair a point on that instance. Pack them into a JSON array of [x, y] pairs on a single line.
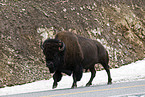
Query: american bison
[[70, 53]]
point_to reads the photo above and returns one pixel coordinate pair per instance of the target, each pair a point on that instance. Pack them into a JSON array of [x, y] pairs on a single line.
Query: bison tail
[[107, 57]]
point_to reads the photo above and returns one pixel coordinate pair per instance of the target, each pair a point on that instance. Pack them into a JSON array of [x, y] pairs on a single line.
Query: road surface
[[136, 89]]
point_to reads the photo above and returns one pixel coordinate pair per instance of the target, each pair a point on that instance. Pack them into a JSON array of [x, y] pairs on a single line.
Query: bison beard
[[70, 53]]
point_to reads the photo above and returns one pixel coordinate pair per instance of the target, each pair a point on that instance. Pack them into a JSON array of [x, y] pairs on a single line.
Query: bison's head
[[54, 52]]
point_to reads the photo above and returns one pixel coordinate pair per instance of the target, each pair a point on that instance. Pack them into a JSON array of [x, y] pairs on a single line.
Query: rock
[[118, 25]]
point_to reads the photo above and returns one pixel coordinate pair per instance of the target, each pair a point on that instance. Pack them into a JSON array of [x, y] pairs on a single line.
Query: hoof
[[109, 83], [73, 87], [88, 84], [54, 86]]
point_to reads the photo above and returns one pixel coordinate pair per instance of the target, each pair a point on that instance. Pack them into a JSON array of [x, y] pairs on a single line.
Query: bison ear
[[61, 46], [41, 46]]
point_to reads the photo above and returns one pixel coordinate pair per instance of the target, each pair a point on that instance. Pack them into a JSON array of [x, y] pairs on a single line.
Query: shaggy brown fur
[[79, 53]]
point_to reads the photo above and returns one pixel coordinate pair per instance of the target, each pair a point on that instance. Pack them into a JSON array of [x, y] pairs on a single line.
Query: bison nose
[[49, 65]]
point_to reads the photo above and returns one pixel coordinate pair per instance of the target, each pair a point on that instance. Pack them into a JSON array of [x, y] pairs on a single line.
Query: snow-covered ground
[[131, 72]]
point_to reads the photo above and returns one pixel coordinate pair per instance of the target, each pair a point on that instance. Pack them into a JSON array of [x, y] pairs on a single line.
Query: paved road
[[134, 89]]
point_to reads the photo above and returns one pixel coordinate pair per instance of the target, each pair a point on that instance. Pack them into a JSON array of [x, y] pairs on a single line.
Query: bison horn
[[62, 46], [41, 45]]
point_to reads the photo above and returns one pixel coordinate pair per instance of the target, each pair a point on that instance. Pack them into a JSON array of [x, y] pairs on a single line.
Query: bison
[[70, 53]]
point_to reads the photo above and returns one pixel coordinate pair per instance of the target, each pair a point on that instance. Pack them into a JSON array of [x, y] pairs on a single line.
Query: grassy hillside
[[118, 25]]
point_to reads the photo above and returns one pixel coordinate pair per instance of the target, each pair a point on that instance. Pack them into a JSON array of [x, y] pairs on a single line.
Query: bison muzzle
[[70, 53]]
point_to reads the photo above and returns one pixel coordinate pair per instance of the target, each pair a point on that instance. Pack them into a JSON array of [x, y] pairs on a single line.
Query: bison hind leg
[[106, 67], [93, 73]]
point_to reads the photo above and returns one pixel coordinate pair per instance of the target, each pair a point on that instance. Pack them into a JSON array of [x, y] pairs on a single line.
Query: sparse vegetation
[[118, 25]]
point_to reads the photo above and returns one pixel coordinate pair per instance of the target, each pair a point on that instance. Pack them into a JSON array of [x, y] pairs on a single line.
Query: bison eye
[[49, 58]]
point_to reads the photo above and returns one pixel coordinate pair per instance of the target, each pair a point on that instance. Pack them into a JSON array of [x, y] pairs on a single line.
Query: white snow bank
[[131, 72]]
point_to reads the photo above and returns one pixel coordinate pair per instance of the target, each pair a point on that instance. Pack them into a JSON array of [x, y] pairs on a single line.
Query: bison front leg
[[93, 73], [56, 77], [77, 75]]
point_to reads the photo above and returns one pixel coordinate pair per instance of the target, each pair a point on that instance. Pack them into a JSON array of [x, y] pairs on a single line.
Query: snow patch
[[130, 72]]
